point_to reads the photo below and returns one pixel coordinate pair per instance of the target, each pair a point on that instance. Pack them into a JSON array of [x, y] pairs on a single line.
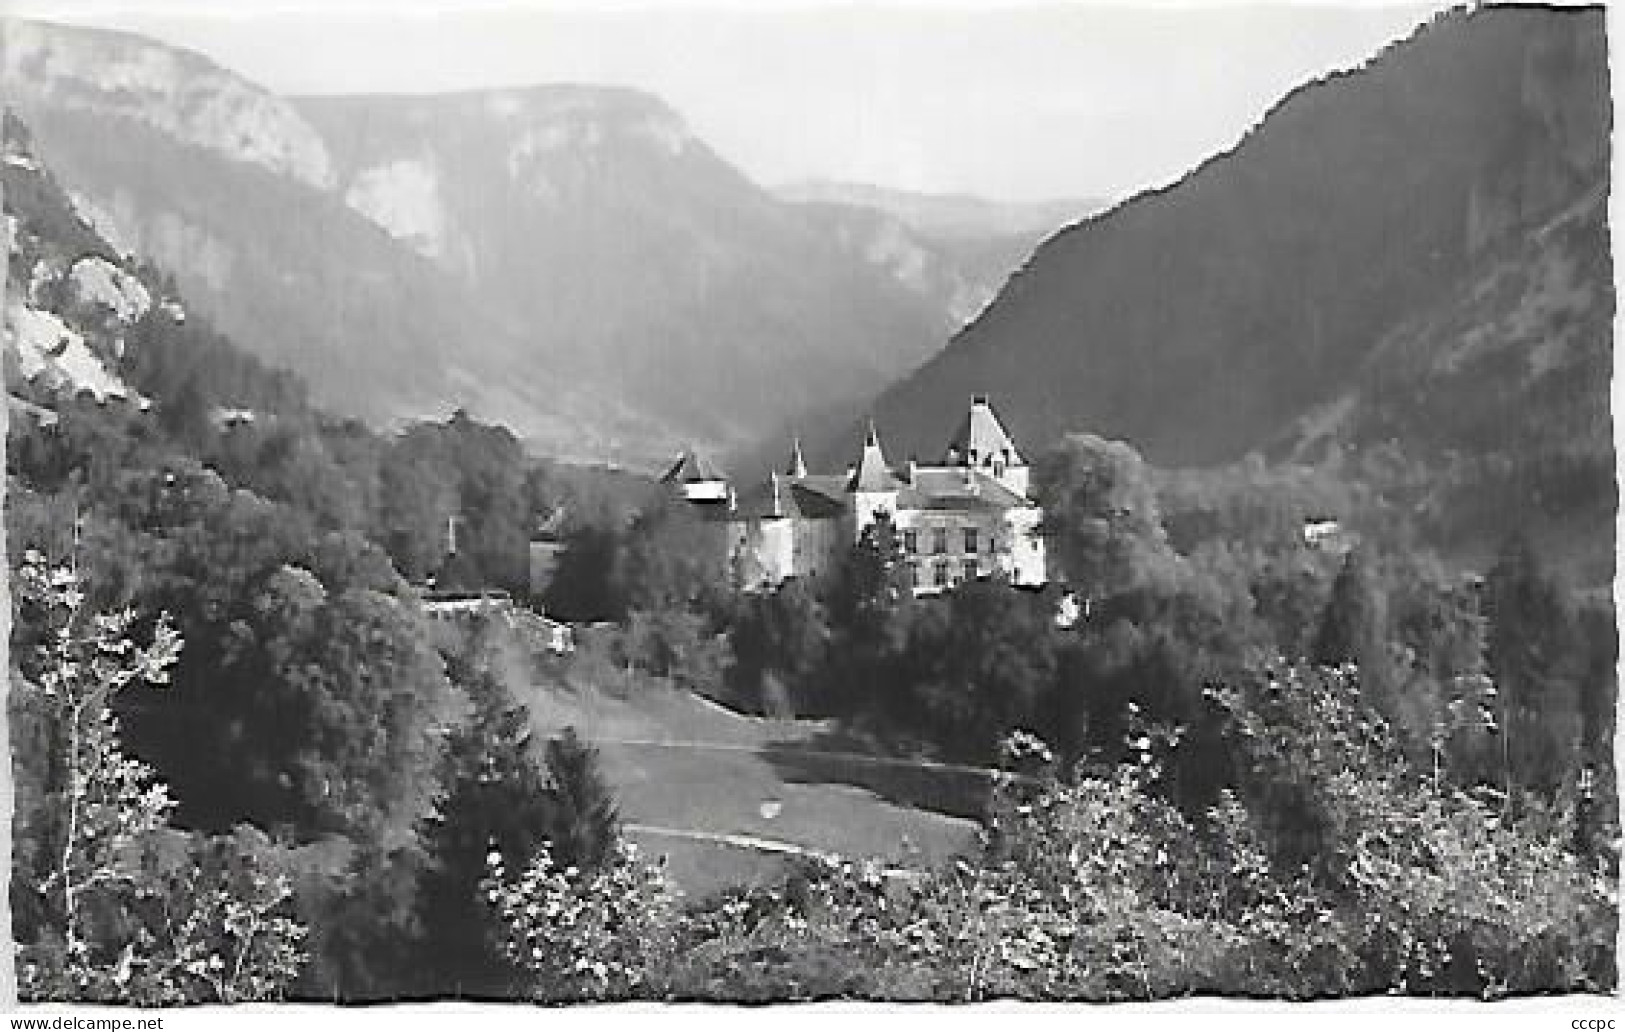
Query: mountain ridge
[[1229, 313], [600, 278], [948, 215]]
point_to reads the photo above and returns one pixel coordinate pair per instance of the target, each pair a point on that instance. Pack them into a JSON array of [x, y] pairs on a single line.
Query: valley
[[570, 261], [484, 545]]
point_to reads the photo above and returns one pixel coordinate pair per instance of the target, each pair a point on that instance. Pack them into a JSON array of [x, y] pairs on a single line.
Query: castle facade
[[968, 516]]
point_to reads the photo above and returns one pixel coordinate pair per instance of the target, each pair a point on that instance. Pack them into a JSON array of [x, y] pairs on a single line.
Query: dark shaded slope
[[1197, 321], [310, 285], [1489, 412], [625, 248]]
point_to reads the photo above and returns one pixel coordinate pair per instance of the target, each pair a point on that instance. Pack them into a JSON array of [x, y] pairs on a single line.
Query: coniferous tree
[[460, 572], [1350, 626], [497, 796], [587, 583], [186, 414], [584, 825], [1532, 655], [870, 582]]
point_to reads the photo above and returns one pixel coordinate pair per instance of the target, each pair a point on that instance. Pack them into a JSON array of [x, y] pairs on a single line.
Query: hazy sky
[[1007, 100]]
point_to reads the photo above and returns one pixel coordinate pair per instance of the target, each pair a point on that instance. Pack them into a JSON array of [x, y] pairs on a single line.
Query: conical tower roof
[[872, 473], [797, 467], [692, 468], [982, 437]]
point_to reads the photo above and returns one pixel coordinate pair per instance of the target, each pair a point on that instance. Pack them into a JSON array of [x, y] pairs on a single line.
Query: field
[[727, 798]]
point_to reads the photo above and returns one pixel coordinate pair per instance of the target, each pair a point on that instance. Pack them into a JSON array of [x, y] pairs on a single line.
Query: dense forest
[[310, 717], [249, 766]]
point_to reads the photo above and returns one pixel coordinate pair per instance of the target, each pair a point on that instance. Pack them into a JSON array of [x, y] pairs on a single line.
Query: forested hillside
[[1439, 209], [629, 253], [258, 558]]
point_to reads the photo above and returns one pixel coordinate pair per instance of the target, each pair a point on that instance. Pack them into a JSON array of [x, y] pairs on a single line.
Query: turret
[[872, 485], [698, 478], [796, 469], [983, 445]]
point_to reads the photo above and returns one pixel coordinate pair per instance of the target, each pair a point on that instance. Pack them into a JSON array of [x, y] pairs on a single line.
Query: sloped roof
[[829, 487], [691, 468], [954, 487], [781, 497], [872, 473], [982, 436], [797, 466]]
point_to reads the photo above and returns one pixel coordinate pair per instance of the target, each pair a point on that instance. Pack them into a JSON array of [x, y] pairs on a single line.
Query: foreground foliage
[[124, 909], [1091, 885]]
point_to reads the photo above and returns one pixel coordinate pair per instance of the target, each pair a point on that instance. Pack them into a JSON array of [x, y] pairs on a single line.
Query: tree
[[868, 600], [586, 918], [981, 673], [215, 928], [870, 582], [582, 825], [415, 501], [186, 414], [310, 693], [779, 642], [1532, 651], [588, 582], [1101, 518], [1351, 625], [1435, 887], [677, 559], [460, 572], [1289, 593], [496, 795], [677, 644], [584, 934]]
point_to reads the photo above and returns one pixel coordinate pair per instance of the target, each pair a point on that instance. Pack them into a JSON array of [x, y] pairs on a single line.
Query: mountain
[[1438, 209], [949, 216], [954, 249], [1489, 410], [569, 260], [628, 250], [231, 191], [91, 329], [68, 304]]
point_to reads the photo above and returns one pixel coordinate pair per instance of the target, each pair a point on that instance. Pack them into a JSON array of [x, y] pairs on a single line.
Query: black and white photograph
[[559, 503]]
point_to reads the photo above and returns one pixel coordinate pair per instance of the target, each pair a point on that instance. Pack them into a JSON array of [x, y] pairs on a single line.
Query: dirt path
[[866, 759], [754, 843]]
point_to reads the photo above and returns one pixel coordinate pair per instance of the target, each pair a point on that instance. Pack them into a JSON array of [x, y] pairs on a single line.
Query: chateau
[[966, 517]]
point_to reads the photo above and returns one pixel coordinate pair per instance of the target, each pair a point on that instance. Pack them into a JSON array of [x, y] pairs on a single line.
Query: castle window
[[970, 569], [939, 540], [940, 579], [970, 540], [911, 541], [911, 576]]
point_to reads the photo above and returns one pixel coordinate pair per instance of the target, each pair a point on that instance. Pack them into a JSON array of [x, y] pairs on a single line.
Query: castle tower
[[698, 478], [983, 445], [872, 486], [797, 467]]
